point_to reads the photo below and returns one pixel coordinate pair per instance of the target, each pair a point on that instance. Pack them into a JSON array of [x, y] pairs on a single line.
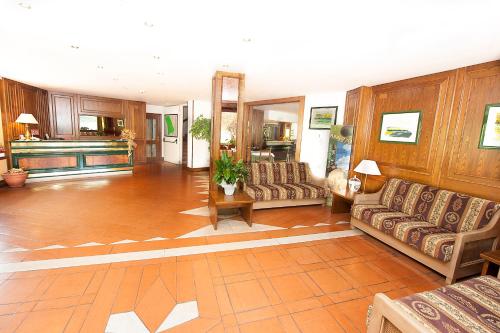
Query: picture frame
[[401, 127], [490, 129], [119, 123], [170, 125], [323, 117]]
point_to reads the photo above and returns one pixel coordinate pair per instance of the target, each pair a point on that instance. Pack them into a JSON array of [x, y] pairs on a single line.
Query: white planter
[[228, 188]]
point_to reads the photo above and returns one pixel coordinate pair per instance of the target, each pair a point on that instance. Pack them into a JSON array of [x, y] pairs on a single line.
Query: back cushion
[[278, 173], [401, 195], [459, 212]]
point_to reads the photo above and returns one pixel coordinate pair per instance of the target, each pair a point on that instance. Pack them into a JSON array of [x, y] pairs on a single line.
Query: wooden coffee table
[[217, 199], [342, 200], [490, 257]]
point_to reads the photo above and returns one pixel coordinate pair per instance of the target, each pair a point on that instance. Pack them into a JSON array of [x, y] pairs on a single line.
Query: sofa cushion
[[400, 194], [285, 191], [380, 217], [434, 241], [278, 173], [457, 212]]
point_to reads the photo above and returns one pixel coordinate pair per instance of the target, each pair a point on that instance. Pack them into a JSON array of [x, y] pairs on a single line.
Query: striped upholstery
[[470, 306], [281, 181], [425, 217]]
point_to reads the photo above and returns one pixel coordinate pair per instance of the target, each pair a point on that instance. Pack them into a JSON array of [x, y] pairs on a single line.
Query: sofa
[[283, 184], [442, 229], [470, 306]]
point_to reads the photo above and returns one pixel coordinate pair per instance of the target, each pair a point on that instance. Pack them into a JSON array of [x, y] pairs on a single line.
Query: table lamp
[[27, 119], [367, 167]]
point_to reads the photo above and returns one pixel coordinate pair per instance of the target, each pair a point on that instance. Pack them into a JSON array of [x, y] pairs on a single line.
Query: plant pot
[[15, 179], [228, 188]]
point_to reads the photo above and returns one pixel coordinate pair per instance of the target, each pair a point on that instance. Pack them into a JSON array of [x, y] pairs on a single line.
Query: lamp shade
[[368, 167], [26, 118]]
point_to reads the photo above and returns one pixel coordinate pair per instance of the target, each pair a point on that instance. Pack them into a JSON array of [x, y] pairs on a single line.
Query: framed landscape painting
[[490, 131], [170, 125], [400, 127], [322, 118]]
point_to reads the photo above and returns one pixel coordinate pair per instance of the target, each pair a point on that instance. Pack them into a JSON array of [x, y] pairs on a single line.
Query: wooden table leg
[[340, 205], [212, 207], [485, 267], [246, 213]]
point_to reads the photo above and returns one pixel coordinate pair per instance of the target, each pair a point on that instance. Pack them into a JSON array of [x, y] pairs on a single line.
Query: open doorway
[[184, 158], [153, 137], [273, 131]]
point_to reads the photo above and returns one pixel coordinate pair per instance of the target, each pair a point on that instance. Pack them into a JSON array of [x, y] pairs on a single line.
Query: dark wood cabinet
[[63, 116], [101, 106]]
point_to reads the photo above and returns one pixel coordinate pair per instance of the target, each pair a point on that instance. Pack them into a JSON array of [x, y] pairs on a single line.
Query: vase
[[354, 184], [15, 179], [228, 188]]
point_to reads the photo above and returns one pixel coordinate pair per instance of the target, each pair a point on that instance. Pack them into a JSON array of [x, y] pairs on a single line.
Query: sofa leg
[[450, 280]]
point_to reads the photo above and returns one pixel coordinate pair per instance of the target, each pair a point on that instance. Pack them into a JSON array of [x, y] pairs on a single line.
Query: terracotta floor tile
[[239, 277], [346, 295], [168, 274], [69, 285], [154, 307], [288, 324], [361, 275], [223, 300], [247, 295], [394, 269], [254, 315], [290, 288], [271, 260], [150, 274], [316, 321], [6, 309], [195, 326], [329, 280], [303, 304], [232, 265], [267, 325], [185, 282], [355, 311], [332, 251], [127, 294], [49, 320], [76, 321], [9, 323], [208, 306], [270, 292], [19, 290], [310, 284], [304, 255], [57, 303]]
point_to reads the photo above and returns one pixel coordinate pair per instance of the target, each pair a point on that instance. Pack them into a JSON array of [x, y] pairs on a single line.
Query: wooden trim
[[248, 106], [195, 169]]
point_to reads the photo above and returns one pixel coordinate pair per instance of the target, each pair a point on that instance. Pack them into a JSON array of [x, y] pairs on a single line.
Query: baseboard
[[195, 169]]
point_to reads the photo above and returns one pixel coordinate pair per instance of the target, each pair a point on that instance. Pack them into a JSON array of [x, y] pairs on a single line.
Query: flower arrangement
[[15, 171], [129, 135]]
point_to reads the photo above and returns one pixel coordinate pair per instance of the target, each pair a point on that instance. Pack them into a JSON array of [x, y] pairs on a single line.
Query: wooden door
[[153, 137], [63, 116], [135, 119]]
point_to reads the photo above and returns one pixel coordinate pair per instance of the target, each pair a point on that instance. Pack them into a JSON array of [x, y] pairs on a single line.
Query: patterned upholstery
[[278, 173], [281, 181], [425, 217], [470, 306]]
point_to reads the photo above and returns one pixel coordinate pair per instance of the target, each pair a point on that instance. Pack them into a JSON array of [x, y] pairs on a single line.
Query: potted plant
[[228, 173], [15, 177], [201, 129]]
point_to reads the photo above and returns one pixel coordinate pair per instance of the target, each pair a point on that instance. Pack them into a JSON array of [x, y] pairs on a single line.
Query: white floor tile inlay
[[125, 241], [126, 322], [201, 211], [181, 313], [89, 244], [226, 227]]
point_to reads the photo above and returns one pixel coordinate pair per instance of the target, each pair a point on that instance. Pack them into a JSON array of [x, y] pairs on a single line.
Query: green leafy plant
[[226, 170], [201, 128]]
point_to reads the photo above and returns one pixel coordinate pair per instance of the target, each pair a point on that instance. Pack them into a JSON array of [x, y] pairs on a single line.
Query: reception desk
[[46, 160]]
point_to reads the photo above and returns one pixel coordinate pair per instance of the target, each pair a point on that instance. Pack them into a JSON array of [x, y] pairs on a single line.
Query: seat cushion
[[469, 306], [381, 217], [285, 191], [434, 241]]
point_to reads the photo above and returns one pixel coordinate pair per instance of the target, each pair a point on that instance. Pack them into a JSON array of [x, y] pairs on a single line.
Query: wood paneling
[[63, 115], [30, 163], [94, 160], [100, 105], [467, 168], [447, 154], [135, 119], [20, 98]]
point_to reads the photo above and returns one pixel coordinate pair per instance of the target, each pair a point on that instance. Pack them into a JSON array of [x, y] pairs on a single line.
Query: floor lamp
[[367, 167]]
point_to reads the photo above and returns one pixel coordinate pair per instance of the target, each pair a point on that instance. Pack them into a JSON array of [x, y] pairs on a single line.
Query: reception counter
[[69, 159]]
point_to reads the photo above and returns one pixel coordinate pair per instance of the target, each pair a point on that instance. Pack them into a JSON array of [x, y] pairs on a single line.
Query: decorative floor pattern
[[226, 227]]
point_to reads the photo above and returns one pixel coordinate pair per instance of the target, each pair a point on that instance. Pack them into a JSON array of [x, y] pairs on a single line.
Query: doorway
[[153, 137], [184, 157]]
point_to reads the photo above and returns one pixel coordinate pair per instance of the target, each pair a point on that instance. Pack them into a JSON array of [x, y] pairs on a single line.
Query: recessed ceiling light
[[142, 91], [246, 40], [24, 5], [100, 67], [156, 57], [160, 73], [115, 79], [75, 47], [148, 24]]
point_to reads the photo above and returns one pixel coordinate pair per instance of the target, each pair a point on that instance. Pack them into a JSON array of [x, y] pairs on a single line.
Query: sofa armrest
[[368, 198], [318, 181]]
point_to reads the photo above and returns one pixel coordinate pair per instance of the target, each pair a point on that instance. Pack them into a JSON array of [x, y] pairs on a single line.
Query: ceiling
[[165, 52]]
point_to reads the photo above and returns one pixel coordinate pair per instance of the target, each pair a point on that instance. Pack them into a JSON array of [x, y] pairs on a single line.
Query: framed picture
[[322, 118], [339, 149], [171, 125], [119, 122], [400, 127], [490, 131]]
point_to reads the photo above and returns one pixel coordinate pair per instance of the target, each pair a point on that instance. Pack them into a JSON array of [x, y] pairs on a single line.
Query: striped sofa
[[442, 229], [470, 306], [283, 184]]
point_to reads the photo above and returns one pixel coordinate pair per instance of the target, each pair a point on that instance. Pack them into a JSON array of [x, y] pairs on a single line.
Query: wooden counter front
[[56, 158]]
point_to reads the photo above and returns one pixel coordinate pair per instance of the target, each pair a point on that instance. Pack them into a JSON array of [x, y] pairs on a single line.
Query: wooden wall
[[447, 154], [17, 98]]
